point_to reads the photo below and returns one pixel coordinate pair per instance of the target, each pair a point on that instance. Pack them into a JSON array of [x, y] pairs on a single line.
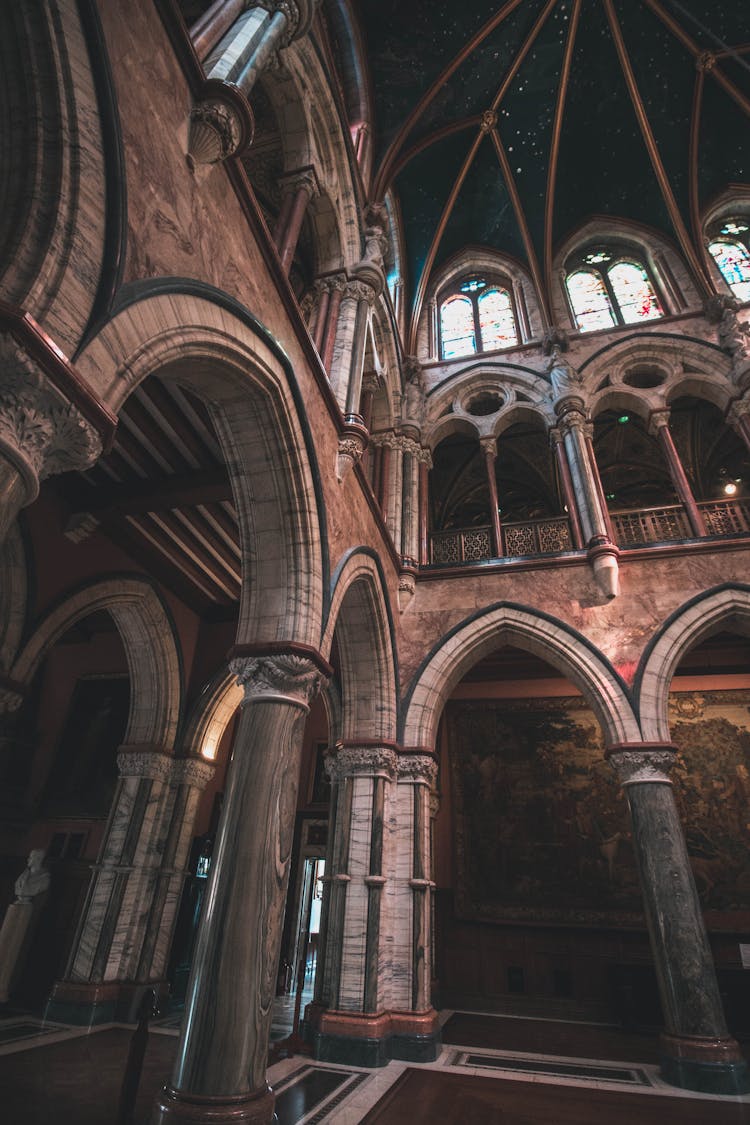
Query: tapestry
[[541, 825]]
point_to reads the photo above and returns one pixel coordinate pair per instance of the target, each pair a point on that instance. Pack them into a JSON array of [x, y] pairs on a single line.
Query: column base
[[360, 1040], [709, 1066], [85, 1003], [176, 1108]]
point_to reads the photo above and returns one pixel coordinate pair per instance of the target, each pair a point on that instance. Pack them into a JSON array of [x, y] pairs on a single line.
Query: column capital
[[146, 762], [740, 408], [658, 419], [488, 444], [350, 759], [41, 432], [301, 179], [353, 442], [362, 289], [283, 676], [420, 768], [572, 416], [642, 763], [193, 772]]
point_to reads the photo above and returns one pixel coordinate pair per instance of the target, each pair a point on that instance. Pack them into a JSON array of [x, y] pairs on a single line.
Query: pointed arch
[[151, 647], [210, 716], [525, 628], [724, 607], [361, 621]]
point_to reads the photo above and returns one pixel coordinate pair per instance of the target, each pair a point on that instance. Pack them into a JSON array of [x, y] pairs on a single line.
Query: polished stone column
[[567, 487], [489, 451], [221, 123], [220, 1072], [425, 464], [329, 330], [394, 444], [215, 22], [659, 425], [107, 968], [410, 500], [41, 433], [603, 553], [298, 188], [416, 777], [697, 1051]]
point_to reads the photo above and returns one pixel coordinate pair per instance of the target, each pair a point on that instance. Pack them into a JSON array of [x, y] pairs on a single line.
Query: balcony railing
[[470, 544], [632, 527]]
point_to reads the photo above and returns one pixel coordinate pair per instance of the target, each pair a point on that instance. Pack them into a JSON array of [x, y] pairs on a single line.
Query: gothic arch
[[361, 622], [148, 638], [720, 608], [538, 633], [210, 344]]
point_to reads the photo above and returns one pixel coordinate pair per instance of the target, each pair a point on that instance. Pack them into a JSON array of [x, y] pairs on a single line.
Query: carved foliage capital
[[370, 761], [195, 772], [284, 676], [299, 16], [145, 763], [40, 431], [636, 767], [215, 131], [418, 768]]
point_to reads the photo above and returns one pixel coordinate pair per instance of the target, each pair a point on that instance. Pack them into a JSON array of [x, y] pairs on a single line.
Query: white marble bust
[[34, 879]]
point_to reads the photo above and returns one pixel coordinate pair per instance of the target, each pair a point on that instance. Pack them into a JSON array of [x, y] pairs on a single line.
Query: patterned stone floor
[[72, 1076]]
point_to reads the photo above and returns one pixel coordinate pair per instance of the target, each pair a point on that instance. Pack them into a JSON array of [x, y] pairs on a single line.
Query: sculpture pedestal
[[13, 944]]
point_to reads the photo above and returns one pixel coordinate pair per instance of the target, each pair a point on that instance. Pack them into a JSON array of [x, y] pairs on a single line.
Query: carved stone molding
[[145, 763], [371, 761], [740, 408], [407, 586], [353, 442], [658, 419], [305, 178], [418, 768], [434, 803], [216, 131], [489, 120], [639, 767], [286, 676], [41, 433], [360, 289]]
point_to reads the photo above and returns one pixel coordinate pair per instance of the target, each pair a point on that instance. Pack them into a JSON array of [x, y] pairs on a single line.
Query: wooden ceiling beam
[[186, 490], [154, 392]]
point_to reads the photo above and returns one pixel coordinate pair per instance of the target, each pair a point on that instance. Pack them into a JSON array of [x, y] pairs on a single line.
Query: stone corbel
[[407, 583], [299, 16], [221, 124], [603, 556], [353, 442]]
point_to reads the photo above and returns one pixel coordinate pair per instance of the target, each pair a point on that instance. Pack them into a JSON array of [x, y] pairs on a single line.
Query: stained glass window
[[497, 325], [634, 292], [457, 327], [590, 301], [733, 260]]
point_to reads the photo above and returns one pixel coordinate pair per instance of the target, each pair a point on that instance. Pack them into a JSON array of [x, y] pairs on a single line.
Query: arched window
[[478, 317], [732, 256], [607, 288]]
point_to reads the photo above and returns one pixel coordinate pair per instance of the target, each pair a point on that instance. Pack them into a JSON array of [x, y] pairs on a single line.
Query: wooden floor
[[433, 1097], [546, 1037]]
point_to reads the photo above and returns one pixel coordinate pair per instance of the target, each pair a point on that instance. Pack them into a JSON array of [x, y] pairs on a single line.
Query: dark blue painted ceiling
[[603, 165]]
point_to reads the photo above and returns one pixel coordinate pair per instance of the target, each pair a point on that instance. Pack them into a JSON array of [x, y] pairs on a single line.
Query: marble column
[[220, 1071], [425, 464], [411, 454], [329, 330], [659, 425], [123, 936], [394, 443], [188, 777], [566, 484], [41, 433], [489, 452], [320, 313], [363, 774], [221, 123], [215, 22], [416, 777], [697, 1051], [603, 554], [298, 189]]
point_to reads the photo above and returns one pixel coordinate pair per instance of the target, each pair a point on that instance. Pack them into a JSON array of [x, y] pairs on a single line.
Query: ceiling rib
[[562, 93], [704, 280], [384, 177], [515, 199], [695, 129], [699, 52], [432, 138], [447, 210]]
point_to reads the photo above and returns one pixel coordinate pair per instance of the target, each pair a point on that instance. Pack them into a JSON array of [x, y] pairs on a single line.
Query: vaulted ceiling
[[631, 108]]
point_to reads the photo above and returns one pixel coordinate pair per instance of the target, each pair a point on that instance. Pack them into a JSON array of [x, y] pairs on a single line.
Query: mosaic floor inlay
[[553, 1067]]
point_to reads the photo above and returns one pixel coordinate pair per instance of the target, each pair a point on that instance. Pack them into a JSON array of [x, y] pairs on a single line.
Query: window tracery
[[476, 316], [606, 288], [730, 250]]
